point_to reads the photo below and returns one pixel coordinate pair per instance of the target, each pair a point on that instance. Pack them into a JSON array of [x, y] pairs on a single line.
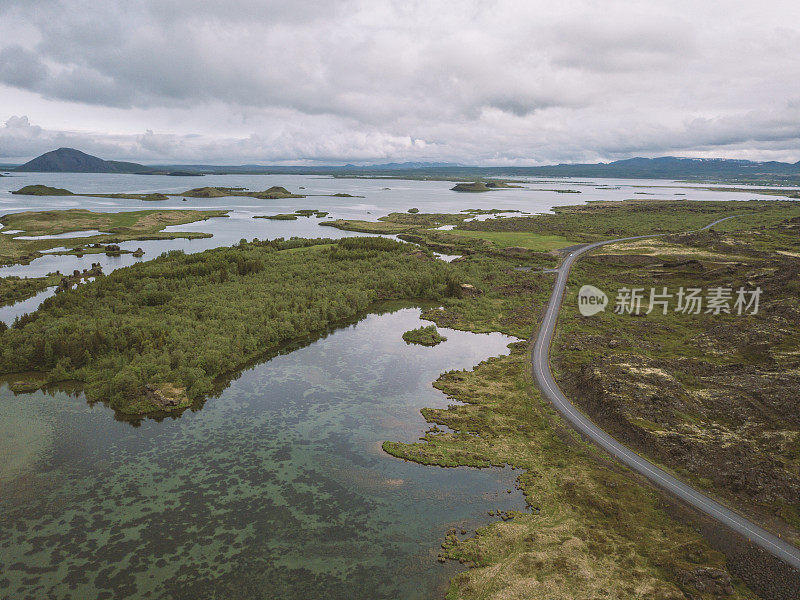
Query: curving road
[[544, 378]]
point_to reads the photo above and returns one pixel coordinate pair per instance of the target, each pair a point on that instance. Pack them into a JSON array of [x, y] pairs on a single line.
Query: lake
[[278, 487]]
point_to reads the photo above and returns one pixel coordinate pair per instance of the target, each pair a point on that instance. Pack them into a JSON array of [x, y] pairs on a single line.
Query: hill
[[69, 160], [41, 190]]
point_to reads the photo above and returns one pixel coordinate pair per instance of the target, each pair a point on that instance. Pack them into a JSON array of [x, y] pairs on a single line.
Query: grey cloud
[[503, 81], [20, 139], [20, 67]]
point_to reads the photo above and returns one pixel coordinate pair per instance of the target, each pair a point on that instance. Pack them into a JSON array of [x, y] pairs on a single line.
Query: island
[[273, 193], [45, 190], [424, 336], [482, 186]]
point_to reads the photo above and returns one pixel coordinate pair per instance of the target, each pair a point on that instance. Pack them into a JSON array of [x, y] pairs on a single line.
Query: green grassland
[[519, 239], [421, 228], [407, 222], [119, 227], [596, 221], [786, 193]]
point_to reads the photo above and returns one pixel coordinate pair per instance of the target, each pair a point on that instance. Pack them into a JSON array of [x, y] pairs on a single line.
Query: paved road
[[544, 377]]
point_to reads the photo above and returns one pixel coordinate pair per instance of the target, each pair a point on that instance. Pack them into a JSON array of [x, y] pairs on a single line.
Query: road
[[544, 378]]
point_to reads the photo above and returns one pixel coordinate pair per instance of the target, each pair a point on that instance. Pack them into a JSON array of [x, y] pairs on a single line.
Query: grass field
[[522, 239]]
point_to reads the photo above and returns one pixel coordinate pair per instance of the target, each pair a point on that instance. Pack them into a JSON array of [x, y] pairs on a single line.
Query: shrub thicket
[[185, 320]]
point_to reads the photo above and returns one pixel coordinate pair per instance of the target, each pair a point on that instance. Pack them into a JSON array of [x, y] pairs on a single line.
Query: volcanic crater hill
[[69, 160], [481, 186], [276, 192]]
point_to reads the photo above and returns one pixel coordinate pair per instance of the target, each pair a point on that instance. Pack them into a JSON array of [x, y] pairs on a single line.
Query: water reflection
[[276, 488]]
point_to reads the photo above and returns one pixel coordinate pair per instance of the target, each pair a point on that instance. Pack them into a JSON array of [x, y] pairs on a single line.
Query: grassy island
[[424, 336], [377, 227], [482, 186], [44, 190], [279, 217], [303, 212], [274, 193], [41, 190]]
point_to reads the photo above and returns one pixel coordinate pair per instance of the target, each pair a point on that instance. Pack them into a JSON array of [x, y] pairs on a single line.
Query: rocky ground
[[712, 396]]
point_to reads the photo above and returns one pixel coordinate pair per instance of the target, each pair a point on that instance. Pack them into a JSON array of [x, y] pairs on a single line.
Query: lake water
[[428, 196], [277, 487]]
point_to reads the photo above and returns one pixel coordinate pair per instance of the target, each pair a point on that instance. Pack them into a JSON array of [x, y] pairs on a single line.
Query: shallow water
[[59, 236], [12, 311], [278, 488]]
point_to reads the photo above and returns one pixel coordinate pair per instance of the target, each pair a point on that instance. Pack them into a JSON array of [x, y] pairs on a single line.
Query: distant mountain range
[[671, 167], [69, 160]]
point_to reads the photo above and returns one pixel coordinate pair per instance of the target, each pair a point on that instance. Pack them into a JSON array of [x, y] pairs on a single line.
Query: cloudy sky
[[475, 82]]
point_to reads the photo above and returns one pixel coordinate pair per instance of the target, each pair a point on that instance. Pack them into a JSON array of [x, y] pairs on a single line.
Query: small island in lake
[[482, 186], [46, 190], [424, 336], [274, 193], [41, 190]]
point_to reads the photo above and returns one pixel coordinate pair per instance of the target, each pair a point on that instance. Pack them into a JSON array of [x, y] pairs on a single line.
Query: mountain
[[69, 160], [403, 166], [664, 167], [672, 167]]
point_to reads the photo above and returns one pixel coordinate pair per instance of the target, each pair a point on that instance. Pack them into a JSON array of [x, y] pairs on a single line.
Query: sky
[[347, 81]]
